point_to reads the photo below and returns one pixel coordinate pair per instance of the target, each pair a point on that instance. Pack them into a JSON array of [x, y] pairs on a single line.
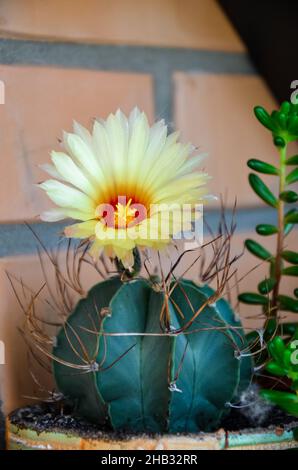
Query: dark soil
[[235, 420], [47, 417]]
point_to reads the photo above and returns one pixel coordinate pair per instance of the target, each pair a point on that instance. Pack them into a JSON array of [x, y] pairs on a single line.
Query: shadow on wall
[[264, 27]]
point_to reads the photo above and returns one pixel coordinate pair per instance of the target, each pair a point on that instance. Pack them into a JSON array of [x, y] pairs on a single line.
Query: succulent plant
[[134, 359], [283, 124]]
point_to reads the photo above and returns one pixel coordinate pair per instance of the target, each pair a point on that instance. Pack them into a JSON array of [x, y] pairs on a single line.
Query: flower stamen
[[124, 214]]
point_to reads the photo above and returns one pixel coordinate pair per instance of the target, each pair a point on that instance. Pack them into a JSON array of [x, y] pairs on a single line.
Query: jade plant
[[283, 125], [278, 355]]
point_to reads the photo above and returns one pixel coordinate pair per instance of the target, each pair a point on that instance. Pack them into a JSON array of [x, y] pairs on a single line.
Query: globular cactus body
[[121, 370]]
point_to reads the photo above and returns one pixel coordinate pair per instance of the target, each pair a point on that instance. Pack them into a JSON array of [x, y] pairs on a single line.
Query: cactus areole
[[123, 370]]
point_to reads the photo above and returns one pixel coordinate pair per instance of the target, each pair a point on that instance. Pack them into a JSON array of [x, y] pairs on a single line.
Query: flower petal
[[53, 215], [137, 146], [85, 156], [81, 230], [124, 157], [65, 196], [72, 174], [51, 170]]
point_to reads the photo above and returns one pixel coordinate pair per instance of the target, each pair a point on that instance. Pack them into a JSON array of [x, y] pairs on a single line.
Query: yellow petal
[[84, 155], [72, 174], [81, 230], [65, 196]]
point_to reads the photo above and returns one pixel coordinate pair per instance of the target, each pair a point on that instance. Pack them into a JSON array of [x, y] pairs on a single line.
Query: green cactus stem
[[121, 370]]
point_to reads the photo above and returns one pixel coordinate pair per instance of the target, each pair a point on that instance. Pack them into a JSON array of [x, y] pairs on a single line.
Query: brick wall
[[67, 59]]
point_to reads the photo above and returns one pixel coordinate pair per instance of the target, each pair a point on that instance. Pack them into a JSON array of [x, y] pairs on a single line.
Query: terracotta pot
[[25, 438]]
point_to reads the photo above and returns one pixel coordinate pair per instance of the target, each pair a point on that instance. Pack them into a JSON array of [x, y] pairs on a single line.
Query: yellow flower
[[126, 183]]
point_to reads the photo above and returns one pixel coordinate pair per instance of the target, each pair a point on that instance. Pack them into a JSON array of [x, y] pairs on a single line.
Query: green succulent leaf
[[287, 359], [290, 271], [252, 336], [285, 107], [288, 304], [288, 228], [292, 160], [264, 118], [287, 401], [291, 217], [292, 177], [295, 385], [262, 190], [277, 349], [279, 141], [252, 298], [266, 286], [289, 196], [296, 292], [266, 229], [290, 256], [258, 250], [262, 167], [134, 387], [288, 328], [275, 369], [287, 120], [113, 392]]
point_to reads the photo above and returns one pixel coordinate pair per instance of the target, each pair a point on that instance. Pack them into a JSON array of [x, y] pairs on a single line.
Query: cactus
[[123, 369]]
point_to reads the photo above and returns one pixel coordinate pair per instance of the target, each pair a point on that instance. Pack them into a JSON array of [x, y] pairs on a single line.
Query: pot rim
[[22, 436]]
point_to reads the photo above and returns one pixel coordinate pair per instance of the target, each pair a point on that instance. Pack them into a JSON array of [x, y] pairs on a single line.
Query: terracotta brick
[[191, 23], [15, 380], [215, 112], [41, 103]]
